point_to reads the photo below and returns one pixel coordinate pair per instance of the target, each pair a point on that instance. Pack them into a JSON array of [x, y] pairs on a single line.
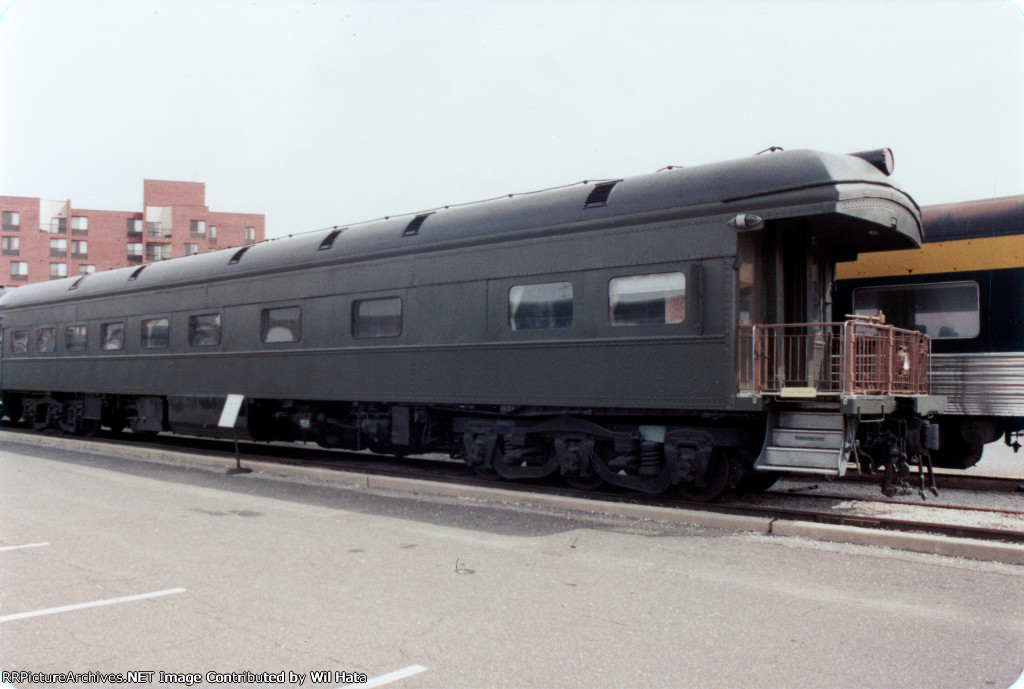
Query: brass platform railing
[[861, 356]]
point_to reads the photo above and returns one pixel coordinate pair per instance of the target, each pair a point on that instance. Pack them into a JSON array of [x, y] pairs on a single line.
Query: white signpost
[[228, 418]]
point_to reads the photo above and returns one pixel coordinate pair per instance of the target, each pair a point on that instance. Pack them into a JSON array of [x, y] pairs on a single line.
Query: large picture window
[[112, 336], [76, 338], [656, 299], [204, 330], [281, 325], [377, 317], [540, 307], [942, 311], [156, 333]]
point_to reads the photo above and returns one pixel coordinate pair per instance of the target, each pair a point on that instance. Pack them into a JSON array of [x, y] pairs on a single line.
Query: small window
[[546, 306], [204, 330], [281, 325], [11, 221], [377, 317], [46, 340], [658, 299], [58, 270], [19, 342], [112, 336], [156, 333], [76, 338], [942, 311]]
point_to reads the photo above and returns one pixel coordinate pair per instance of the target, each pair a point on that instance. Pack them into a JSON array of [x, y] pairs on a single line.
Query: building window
[[58, 271], [213, 234], [134, 228], [204, 330], [19, 342], [281, 325], [191, 249], [942, 311], [197, 229], [158, 252], [79, 248], [10, 246], [658, 299], [19, 270], [58, 248], [46, 340], [154, 229], [112, 336], [134, 251], [58, 225], [85, 269], [540, 307], [377, 317], [156, 333], [79, 224], [12, 221], [250, 235], [76, 338]]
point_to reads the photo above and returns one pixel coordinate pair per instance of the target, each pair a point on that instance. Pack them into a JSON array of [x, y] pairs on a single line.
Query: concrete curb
[[915, 542]]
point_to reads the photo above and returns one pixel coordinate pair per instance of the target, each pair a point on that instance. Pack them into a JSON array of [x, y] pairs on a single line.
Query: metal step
[[824, 421], [809, 438], [824, 461]]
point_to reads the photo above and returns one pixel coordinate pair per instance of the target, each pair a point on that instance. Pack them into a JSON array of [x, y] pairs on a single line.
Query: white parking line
[[92, 604], [27, 545], [393, 676]]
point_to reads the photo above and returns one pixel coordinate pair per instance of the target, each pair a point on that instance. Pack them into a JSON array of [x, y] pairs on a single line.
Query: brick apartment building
[[47, 240]]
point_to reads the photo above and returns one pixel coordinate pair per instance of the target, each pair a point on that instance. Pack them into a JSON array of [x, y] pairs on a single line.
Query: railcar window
[[377, 317], [46, 340], [943, 311], [19, 342], [204, 330], [281, 325], [545, 306], [112, 336], [156, 333], [657, 299], [76, 338]]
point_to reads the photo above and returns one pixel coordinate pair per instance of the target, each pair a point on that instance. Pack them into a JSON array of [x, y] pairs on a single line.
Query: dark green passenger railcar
[[673, 329]]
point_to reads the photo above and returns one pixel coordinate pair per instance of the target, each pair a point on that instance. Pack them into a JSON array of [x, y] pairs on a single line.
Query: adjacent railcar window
[[112, 336], [19, 342], [545, 306], [377, 317], [76, 338], [46, 340], [943, 311], [281, 325], [204, 330], [657, 299], [156, 333]]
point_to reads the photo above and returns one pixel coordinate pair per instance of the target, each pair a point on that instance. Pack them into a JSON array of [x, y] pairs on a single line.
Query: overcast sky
[[328, 113]]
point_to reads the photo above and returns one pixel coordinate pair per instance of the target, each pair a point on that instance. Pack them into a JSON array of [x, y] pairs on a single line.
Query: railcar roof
[[983, 218], [675, 192]]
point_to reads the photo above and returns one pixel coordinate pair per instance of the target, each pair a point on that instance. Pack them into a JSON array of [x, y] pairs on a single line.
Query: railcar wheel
[[590, 481], [89, 427], [716, 479]]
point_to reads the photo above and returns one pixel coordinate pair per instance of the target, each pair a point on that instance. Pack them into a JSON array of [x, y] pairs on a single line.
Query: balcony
[[862, 356]]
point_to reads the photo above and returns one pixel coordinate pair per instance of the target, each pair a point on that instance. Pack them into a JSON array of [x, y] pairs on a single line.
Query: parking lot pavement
[[110, 566]]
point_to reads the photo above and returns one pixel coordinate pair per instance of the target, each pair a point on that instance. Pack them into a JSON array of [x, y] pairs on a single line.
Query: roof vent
[[74, 285], [329, 239], [238, 256], [414, 225], [135, 273], [599, 194]]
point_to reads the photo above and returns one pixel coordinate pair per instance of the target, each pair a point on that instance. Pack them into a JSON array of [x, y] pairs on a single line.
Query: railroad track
[[455, 472]]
